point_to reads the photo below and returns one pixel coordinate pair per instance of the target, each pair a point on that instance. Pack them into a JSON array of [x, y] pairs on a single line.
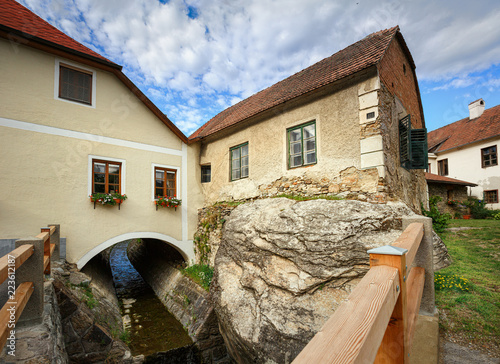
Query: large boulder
[[283, 267]]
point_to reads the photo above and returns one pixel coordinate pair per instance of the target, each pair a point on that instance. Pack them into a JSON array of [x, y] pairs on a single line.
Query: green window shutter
[[404, 144], [418, 148], [412, 145]]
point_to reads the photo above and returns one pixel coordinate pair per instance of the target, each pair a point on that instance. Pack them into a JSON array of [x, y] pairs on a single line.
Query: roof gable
[[356, 57], [465, 131]]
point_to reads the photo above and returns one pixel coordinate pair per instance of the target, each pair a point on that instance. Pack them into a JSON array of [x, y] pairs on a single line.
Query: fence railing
[[24, 268], [377, 322]]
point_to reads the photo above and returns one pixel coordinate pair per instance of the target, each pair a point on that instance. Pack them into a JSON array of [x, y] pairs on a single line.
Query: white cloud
[[235, 48]]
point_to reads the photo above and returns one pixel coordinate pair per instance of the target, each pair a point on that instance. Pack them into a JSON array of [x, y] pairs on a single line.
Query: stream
[[152, 328]]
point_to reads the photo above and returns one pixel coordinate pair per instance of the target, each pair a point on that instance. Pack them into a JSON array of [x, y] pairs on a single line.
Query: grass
[[468, 291], [201, 274]]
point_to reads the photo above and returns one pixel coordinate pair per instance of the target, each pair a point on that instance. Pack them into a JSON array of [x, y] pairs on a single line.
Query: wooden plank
[[415, 289], [44, 236], [354, 332], [394, 345], [46, 261], [16, 306], [410, 239], [21, 254], [52, 230], [52, 248]]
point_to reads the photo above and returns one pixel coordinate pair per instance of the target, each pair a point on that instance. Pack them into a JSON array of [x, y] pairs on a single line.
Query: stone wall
[[186, 300], [408, 186], [452, 192], [41, 343]]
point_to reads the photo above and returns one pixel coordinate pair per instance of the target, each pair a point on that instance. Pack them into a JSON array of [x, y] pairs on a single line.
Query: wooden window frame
[[496, 194], [106, 177], [443, 163], [231, 161], [75, 69], [289, 155], [165, 188], [489, 157], [209, 168]]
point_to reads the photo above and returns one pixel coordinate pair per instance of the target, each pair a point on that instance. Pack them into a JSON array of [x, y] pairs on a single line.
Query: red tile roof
[[16, 19], [465, 131], [356, 57], [430, 177]]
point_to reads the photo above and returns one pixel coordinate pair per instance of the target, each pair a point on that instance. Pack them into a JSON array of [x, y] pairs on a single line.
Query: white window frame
[[153, 179], [77, 66], [108, 159]]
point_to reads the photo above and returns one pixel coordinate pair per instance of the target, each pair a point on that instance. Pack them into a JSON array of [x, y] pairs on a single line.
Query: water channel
[[152, 328]]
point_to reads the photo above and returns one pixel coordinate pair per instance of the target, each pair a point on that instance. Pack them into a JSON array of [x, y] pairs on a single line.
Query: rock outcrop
[[283, 267], [441, 258]]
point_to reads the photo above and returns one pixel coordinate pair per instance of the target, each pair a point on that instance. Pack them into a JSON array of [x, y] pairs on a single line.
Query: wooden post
[[56, 240], [46, 249], [32, 271], [395, 346]]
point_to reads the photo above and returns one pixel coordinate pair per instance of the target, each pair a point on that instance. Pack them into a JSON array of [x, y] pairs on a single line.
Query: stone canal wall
[[187, 301]]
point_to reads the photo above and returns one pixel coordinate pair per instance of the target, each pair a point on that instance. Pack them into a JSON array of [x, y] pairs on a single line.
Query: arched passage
[[185, 248]]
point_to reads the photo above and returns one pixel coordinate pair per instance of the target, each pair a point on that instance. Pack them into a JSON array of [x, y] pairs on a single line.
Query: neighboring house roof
[[21, 25], [356, 57], [434, 178], [465, 131]]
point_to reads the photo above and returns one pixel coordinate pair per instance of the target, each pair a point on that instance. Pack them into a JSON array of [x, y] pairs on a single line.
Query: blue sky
[[194, 58]]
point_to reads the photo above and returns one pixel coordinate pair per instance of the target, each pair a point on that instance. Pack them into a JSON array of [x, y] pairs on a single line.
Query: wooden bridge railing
[[377, 321], [24, 268]]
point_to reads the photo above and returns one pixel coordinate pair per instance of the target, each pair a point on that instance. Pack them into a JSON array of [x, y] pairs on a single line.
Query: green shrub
[[439, 220], [200, 273], [497, 216], [478, 208]]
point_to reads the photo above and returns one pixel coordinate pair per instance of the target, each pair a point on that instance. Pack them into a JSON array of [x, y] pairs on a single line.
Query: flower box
[[167, 202], [107, 199]]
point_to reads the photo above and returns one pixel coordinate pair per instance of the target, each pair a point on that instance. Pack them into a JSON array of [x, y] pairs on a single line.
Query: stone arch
[[185, 248]]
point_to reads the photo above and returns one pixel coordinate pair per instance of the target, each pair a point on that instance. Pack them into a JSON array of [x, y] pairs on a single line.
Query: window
[[302, 145], [443, 167], [75, 84], [239, 161], [165, 182], [489, 156], [491, 196], [206, 174], [106, 176], [413, 153]]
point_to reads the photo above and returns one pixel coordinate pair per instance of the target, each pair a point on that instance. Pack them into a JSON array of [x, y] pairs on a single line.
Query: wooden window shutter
[[412, 145]]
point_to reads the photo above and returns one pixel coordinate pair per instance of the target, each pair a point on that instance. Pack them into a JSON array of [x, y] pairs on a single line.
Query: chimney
[[476, 109]]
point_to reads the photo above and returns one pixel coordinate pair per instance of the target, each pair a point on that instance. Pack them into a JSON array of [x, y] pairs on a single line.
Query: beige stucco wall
[[465, 164], [338, 144], [46, 147]]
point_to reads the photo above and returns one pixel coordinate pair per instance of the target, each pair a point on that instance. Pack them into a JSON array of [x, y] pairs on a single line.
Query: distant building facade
[[468, 150]]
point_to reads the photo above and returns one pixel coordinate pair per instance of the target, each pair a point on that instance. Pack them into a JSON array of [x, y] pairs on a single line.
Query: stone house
[[450, 190], [72, 124], [351, 124], [468, 150]]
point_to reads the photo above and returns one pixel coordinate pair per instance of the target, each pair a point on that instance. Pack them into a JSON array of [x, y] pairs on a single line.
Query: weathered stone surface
[[441, 257], [284, 266], [78, 278]]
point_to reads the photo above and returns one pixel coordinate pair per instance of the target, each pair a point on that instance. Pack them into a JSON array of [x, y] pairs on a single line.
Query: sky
[[195, 58]]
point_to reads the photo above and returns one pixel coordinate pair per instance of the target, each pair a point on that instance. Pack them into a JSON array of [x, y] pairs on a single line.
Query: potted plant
[[165, 201], [107, 199]]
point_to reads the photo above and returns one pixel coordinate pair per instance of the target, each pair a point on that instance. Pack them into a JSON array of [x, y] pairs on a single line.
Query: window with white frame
[[106, 175], [74, 83]]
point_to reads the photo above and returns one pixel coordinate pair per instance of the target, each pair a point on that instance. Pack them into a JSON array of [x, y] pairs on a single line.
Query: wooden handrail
[[43, 235], [11, 311], [52, 230], [354, 332], [377, 321], [21, 254], [410, 240]]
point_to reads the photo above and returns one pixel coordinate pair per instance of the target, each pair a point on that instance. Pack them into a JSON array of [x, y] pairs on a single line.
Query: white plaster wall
[[45, 149], [465, 164]]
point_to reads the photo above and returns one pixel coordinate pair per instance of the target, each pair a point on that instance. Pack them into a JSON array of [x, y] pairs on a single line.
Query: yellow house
[[72, 125], [344, 125]]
